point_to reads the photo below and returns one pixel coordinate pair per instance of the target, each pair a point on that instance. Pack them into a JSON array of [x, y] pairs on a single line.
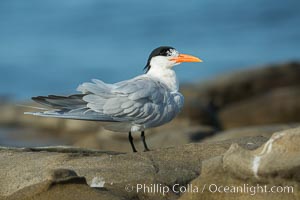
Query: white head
[[166, 57]]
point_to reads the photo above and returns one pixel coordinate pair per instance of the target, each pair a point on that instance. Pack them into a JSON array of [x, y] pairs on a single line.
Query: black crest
[[160, 51]]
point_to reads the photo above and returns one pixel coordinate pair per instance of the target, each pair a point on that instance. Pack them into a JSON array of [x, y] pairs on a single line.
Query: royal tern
[[137, 104]]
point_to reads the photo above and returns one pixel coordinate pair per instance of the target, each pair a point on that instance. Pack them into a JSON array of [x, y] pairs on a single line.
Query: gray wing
[[140, 100]]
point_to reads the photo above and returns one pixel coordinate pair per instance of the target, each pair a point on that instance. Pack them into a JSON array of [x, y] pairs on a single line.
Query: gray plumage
[[133, 105]]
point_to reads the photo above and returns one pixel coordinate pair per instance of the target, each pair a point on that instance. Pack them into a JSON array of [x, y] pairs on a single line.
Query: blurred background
[[250, 51]]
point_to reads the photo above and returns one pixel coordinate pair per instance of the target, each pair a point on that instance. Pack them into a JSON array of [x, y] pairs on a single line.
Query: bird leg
[[131, 142], [144, 141]]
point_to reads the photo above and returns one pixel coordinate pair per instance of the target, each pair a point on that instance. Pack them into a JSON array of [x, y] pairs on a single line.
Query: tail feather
[[91, 116], [61, 102], [69, 107]]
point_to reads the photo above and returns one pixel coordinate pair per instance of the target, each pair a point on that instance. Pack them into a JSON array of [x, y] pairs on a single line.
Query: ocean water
[[50, 46]]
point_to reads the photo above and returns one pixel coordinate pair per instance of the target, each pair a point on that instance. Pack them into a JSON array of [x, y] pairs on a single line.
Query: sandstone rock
[[203, 101], [64, 175], [23, 171], [215, 183], [241, 85], [251, 131], [8, 114], [277, 106], [278, 157], [274, 164], [48, 190]]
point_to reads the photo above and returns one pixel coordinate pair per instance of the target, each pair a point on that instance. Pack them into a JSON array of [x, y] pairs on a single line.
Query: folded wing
[[139, 100]]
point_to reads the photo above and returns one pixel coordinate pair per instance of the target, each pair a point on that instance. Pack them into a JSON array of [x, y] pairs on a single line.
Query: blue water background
[[50, 46]]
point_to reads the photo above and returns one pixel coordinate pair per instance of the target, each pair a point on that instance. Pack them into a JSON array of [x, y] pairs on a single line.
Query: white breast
[[166, 75]]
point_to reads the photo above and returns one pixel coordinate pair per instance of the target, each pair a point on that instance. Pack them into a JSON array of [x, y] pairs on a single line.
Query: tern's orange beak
[[186, 58]]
